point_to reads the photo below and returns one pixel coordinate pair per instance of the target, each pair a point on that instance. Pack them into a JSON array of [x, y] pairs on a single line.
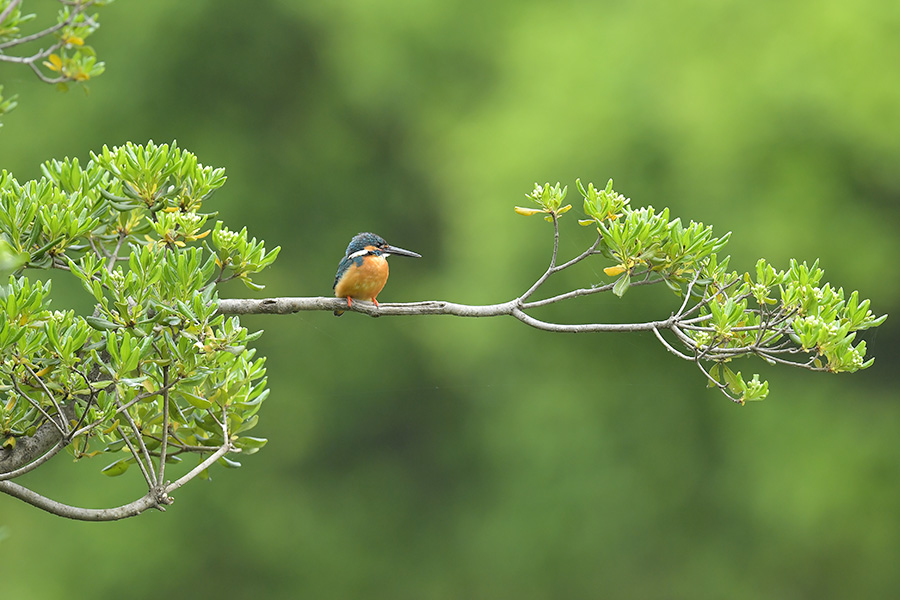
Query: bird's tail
[[338, 313]]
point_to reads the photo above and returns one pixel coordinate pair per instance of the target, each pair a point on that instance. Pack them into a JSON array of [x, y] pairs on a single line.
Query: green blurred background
[[435, 457]]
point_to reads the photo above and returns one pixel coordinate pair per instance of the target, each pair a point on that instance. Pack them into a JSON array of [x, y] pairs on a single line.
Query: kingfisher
[[363, 271]]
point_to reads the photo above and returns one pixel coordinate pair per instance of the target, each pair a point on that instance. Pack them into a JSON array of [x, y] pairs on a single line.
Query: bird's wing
[[343, 266]]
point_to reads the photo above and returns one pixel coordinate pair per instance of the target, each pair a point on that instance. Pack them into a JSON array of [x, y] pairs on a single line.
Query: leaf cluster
[[724, 315], [57, 54], [154, 372]]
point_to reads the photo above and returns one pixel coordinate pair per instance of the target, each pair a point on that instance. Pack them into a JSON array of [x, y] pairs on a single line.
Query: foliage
[[725, 315], [67, 58], [154, 373]]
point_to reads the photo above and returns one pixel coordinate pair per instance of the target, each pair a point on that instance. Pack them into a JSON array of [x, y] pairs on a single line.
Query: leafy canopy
[[154, 366]]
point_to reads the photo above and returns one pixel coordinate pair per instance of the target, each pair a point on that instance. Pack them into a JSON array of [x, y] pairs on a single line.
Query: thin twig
[[669, 347], [588, 291], [540, 281], [687, 294], [709, 299], [62, 432], [161, 473], [59, 411], [80, 8], [114, 256], [722, 387], [134, 453], [590, 251], [151, 475]]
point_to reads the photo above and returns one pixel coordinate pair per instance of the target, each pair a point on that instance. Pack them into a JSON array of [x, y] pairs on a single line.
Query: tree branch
[[513, 308], [286, 306], [158, 497], [79, 8], [73, 512], [31, 451]]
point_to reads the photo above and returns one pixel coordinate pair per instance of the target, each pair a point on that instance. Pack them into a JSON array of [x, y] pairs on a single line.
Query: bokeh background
[[435, 457]]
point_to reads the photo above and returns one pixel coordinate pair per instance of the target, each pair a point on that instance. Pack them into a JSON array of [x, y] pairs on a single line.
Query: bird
[[363, 270]]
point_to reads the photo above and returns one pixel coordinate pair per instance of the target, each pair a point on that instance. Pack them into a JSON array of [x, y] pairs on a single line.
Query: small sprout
[[549, 198]]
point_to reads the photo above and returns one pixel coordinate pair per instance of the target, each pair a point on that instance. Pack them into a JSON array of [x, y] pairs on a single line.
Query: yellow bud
[[613, 271]]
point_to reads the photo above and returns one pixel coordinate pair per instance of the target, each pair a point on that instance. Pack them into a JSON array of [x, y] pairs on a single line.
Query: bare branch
[[687, 294], [669, 347], [590, 251], [588, 291], [73, 512], [285, 306], [550, 270], [79, 8], [158, 497]]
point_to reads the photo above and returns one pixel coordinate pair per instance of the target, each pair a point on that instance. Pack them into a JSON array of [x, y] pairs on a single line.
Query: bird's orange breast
[[365, 281]]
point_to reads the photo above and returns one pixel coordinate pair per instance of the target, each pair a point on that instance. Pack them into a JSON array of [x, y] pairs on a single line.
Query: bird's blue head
[[363, 241]]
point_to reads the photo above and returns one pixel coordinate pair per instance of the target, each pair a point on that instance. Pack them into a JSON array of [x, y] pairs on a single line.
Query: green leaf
[[622, 284], [228, 463], [101, 324], [195, 400], [253, 286], [10, 260], [118, 467], [250, 443]]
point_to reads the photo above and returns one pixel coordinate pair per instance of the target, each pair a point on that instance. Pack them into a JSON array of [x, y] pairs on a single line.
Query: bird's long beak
[[401, 252]]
